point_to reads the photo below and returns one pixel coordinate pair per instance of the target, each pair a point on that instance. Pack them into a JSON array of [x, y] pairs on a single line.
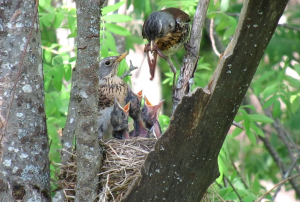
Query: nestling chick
[[150, 117], [135, 113], [119, 120]]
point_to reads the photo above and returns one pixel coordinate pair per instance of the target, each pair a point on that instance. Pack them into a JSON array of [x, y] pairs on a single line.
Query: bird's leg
[[170, 63], [128, 73]]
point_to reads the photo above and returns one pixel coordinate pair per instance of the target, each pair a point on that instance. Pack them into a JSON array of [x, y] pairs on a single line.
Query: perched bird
[[135, 113], [110, 87], [166, 31], [150, 117], [119, 120]]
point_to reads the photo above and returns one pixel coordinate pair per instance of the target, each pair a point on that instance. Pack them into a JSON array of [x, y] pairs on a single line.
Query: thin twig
[[289, 27], [20, 69], [286, 175], [239, 174], [240, 198], [212, 39], [283, 181]]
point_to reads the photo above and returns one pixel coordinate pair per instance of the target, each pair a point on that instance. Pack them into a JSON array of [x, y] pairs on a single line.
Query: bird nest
[[121, 165]]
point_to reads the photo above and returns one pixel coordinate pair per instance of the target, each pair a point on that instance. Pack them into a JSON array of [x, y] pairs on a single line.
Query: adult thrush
[[110, 87], [135, 113], [150, 117], [119, 120], [166, 31]]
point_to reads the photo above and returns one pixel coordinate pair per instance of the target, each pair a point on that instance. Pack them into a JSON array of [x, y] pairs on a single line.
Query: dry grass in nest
[[121, 166], [123, 160]]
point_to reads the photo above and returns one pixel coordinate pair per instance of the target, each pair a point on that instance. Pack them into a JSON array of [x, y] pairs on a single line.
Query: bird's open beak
[[121, 57], [126, 107], [147, 102]]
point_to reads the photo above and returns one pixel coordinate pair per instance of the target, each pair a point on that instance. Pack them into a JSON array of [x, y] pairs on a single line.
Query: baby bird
[[119, 120], [110, 87], [150, 117], [135, 113]]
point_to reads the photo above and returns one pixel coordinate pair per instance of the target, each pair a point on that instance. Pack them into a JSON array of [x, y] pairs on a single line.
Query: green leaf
[[72, 59], [257, 130], [276, 109], [132, 40], [68, 72], [110, 42], [117, 29], [270, 101], [270, 90], [294, 82], [297, 68], [57, 60], [58, 19], [260, 118], [45, 21], [57, 76], [71, 22], [229, 32], [256, 185], [251, 137], [249, 198], [108, 9], [264, 76], [224, 5], [50, 17], [236, 132], [117, 18], [104, 50], [246, 120], [248, 106], [295, 103]]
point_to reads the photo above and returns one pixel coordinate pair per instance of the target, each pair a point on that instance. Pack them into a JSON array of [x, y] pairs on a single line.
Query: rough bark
[[86, 128], [184, 162], [24, 163], [191, 58]]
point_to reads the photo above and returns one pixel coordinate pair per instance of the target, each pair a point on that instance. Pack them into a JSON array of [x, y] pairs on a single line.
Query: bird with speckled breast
[[110, 87], [166, 31]]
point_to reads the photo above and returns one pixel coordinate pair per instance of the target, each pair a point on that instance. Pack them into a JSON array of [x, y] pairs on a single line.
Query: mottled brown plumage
[[166, 31], [110, 87]]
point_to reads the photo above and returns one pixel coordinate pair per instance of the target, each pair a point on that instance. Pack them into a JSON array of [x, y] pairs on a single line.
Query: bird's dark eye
[[107, 62]]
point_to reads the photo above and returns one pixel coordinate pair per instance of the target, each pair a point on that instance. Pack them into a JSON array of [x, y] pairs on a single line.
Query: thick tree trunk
[[86, 128], [184, 162], [24, 163]]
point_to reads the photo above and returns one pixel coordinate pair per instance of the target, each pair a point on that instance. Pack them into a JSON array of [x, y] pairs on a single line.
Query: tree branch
[[88, 153], [190, 61]]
